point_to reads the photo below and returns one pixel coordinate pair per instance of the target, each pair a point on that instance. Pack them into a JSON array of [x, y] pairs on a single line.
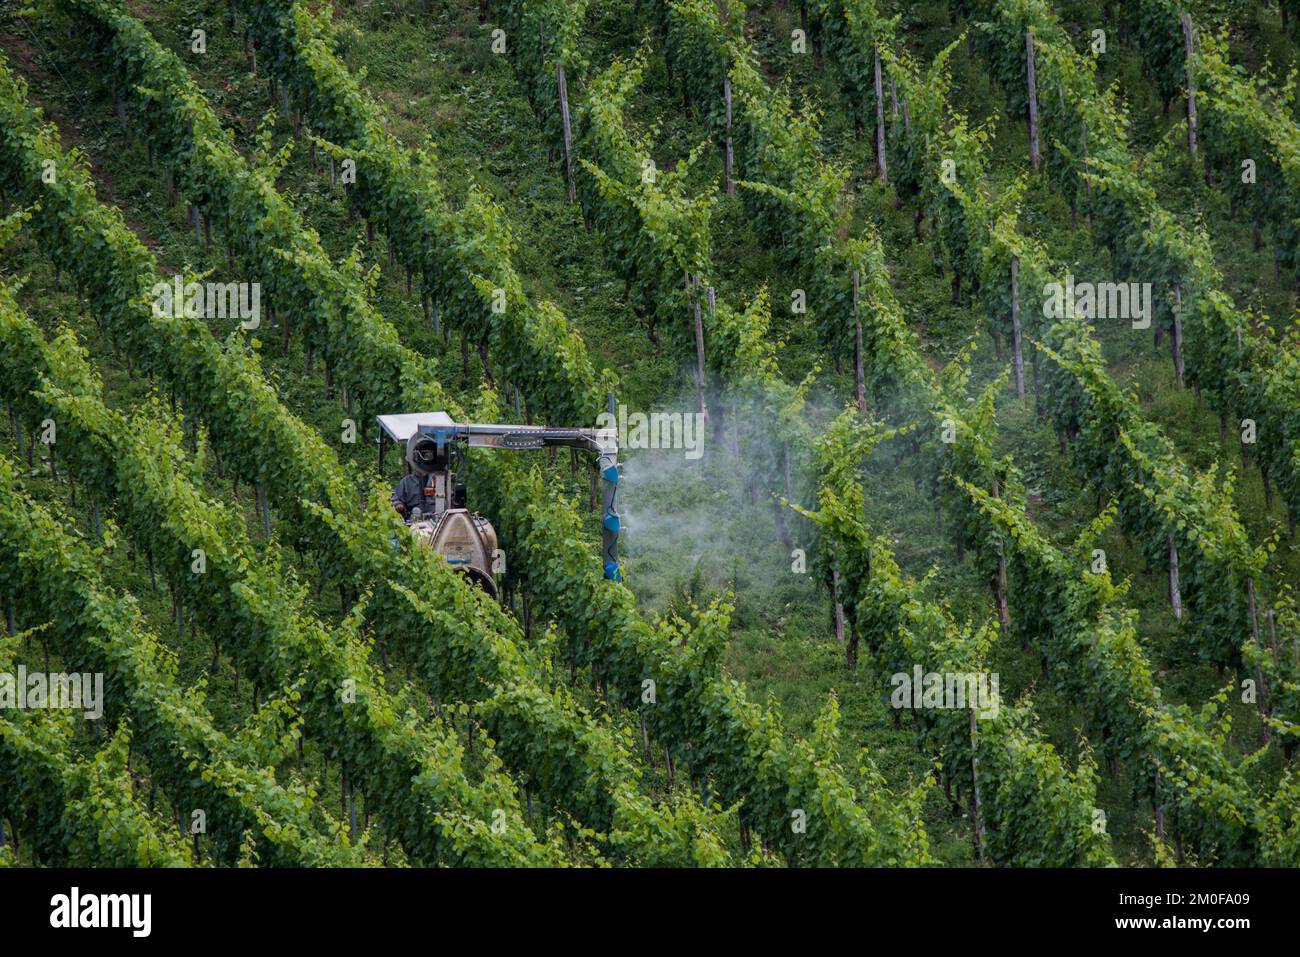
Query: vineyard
[[968, 539]]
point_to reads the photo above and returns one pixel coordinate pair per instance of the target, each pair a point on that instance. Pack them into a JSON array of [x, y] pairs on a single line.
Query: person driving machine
[[419, 488]]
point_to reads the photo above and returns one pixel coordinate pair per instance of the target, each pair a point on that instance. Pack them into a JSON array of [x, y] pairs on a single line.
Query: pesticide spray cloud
[[694, 526]]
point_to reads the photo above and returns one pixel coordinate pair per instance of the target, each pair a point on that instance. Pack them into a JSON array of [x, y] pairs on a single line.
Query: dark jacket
[[410, 492]]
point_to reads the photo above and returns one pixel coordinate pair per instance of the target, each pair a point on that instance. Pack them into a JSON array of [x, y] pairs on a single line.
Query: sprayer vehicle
[[432, 496]]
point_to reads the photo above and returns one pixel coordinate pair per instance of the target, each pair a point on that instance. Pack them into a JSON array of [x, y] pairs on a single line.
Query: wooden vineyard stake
[[1000, 585], [728, 157], [839, 608], [699, 350], [563, 84], [1189, 43], [1019, 359], [1176, 340], [882, 169], [1035, 154]]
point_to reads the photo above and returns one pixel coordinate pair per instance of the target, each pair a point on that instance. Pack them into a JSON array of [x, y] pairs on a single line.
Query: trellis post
[[1035, 154]]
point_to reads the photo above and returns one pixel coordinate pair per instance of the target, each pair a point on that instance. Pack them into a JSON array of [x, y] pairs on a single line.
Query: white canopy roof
[[401, 427]]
